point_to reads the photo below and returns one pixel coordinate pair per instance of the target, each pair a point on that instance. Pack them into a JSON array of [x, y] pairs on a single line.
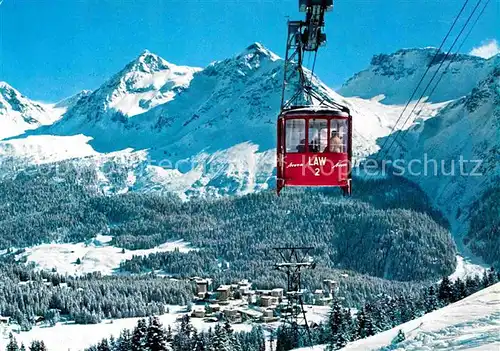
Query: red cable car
[[314, 148]]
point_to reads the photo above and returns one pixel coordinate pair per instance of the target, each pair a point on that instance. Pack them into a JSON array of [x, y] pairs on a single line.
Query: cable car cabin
[[314, 148]]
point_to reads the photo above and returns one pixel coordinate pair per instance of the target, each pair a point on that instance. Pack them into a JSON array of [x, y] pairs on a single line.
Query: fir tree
[[338, 326], [365, 325], [199, 342], [12, 345], [221, 341], [156, 339], [103, 345], [285, 339], [492, 276], [459, 290], [472, 284], [361, 324], [139, 336], [399, 338], [445, 292], [370, 325], [182, 340], [124, 341], [431, 301]]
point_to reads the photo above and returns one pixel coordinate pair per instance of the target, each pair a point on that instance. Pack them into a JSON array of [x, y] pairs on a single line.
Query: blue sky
[[50, 49]]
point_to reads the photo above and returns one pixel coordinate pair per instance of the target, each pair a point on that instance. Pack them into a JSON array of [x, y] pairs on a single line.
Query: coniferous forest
[[387, 229], [384, 313], [387, 238], [384, 246]]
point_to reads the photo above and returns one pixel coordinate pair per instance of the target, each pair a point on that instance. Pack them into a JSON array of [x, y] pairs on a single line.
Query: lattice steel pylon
[[294, 319]]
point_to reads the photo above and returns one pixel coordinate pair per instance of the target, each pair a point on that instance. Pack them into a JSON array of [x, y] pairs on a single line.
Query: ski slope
[[470, 324]]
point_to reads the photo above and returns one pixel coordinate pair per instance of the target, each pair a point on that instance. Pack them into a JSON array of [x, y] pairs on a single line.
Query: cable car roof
[[315, 110]]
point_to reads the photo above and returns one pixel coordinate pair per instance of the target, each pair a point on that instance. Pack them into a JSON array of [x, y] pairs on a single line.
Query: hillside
[[467, 130], [168, 119], [43, 206], [470, 324], [156, 126]]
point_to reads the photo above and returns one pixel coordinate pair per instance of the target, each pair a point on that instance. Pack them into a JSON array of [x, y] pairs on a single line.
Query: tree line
[[342, 327], [385, 312], [388, 229], [27, 295]]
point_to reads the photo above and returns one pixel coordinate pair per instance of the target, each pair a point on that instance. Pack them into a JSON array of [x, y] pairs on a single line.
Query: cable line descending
[[425, 73], [435, 73], [454, 58]]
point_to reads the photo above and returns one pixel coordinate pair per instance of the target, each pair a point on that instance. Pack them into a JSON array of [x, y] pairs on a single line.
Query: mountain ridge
[[397, 74]]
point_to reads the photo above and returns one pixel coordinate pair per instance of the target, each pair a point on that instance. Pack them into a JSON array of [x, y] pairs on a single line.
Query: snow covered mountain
[[185, 111], [396, 75], [19, 114], [466, 129], [142, 84], [211, 131]]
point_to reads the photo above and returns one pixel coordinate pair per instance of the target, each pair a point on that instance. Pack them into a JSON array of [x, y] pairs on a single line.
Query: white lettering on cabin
[[294, 165], [340, 164], [317, 161]]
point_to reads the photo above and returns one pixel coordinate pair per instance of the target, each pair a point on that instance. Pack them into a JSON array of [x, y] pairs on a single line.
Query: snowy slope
[[470, 324], [19, 114], [396, 75], [142, 84], [96, 255]]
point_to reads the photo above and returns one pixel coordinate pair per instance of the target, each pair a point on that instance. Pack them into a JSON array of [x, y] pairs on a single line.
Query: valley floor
[[74, 337]]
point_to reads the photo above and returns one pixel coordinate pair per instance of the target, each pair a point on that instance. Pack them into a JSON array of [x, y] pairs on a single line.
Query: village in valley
[[239, 303]]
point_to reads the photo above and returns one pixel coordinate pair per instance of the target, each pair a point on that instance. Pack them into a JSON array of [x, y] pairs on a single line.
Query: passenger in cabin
[[302, 146], [335, 142]]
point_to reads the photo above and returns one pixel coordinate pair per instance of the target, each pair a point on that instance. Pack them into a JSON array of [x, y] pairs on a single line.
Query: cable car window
[[295, 135], [318, 135], [338, 135]]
